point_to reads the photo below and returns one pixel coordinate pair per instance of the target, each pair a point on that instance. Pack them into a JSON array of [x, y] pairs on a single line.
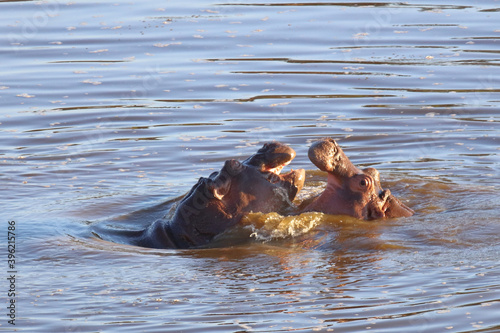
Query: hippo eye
[[233, 167], [363, 182]]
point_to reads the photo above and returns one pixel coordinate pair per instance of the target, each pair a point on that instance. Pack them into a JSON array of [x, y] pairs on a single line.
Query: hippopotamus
[[218, 202], [350, 190]]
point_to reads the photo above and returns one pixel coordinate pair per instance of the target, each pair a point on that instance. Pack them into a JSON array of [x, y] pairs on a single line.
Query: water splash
[[271, 226]]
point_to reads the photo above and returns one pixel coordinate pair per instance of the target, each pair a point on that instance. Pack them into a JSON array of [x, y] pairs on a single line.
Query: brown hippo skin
[[220, 201], [351, 191]]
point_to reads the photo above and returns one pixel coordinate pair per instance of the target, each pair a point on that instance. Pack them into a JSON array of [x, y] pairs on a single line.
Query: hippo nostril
[[384, 195]]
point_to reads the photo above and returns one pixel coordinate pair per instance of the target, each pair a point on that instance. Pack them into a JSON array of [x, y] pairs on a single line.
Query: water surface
[[109, 112]]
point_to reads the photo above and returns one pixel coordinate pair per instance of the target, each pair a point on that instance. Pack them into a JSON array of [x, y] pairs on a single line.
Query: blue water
[[109, 112]]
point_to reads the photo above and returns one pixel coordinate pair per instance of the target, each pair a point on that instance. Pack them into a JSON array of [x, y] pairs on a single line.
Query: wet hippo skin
[[350, 190], [220, 201]]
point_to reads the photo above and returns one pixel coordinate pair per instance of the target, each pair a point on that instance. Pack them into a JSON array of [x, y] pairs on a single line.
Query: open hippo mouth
[[293, 181], [271, 159], [350, 190], [393, 207], [276, 170]]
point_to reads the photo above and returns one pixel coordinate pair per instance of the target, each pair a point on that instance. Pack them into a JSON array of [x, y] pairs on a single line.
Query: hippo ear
[[373, 173]]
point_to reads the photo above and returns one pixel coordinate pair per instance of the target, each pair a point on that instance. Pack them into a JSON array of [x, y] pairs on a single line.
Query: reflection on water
[[111, 111]]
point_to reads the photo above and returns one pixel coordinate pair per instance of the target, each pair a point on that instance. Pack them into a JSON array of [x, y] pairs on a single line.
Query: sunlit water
[[110, 111]]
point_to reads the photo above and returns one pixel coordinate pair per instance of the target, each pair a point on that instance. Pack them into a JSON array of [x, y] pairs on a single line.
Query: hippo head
[[220, 201], [270, 160], [351, 191]]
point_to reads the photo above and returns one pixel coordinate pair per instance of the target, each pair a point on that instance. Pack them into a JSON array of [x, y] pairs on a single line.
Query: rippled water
[[110, 111]]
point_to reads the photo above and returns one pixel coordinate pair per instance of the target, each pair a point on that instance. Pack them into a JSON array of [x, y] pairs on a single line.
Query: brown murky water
[[110, 111]]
